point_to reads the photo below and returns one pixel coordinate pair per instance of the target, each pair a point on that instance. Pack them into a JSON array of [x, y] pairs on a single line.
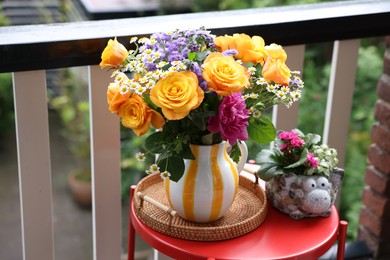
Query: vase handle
[[244, 156]]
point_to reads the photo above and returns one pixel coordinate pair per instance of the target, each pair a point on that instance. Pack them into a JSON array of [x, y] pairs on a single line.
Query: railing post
[[340, 93], [32, 135], [106, 178], [287, 118]]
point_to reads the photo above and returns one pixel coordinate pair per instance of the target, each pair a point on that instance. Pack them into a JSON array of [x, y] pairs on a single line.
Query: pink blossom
[[291, 140], [297, 142], [231, 120], [288, 136], [283, 146], [311, 161]]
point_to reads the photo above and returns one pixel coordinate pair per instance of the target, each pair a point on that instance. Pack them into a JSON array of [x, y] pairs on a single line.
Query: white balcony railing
[[28, 51]]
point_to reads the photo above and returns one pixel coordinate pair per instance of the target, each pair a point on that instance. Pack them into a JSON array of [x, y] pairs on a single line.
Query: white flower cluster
[[327, 158]]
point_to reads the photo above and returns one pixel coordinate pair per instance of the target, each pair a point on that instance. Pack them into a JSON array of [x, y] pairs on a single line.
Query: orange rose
[[249, 49], [275, 70], [224, 75], [137, 116], [114, 98], [177, 94], [114, 54]]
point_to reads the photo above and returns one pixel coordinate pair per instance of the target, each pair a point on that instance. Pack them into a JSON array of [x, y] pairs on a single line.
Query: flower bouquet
[[301, 176], [196, 88]]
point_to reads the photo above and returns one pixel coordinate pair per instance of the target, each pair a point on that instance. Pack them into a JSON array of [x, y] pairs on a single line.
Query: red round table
[[278, 237]]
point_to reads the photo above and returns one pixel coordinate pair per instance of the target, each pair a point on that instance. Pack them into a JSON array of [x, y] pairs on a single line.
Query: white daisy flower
[[148, 51], [124, 89], [150, 84], [140, 156], [271, 88], [252, 70], [162, 64], [133, 39], [165, 175], [296, 95], [154, 168], [261, 81], [140, 90], [256, 114], [280, 94], [285, 89]]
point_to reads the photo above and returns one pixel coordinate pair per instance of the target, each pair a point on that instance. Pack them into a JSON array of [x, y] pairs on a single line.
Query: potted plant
[[73, 109], [301, 176]]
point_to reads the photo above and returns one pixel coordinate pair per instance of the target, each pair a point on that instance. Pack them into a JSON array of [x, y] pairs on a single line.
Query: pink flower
[[283, 146], [297, 142], [291, 139], [311, 161], [288, 136], [231, 120]]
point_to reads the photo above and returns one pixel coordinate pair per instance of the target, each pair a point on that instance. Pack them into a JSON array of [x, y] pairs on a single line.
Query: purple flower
[[175, 57], [162, 37], [231, 120], [230, 52], [150, 66]]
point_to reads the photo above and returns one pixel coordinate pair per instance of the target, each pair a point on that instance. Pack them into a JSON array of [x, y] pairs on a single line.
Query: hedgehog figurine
[[302, 196]]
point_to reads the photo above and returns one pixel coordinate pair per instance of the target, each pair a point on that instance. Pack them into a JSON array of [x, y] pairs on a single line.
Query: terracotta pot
[[209, 184], [81, 190], [302, 196]]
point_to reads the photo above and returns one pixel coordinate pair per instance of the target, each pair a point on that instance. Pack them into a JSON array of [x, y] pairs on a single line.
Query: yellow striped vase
[[209, 184]]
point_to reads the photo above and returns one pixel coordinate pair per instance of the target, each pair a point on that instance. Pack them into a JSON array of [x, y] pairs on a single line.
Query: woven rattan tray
[[247, 212]]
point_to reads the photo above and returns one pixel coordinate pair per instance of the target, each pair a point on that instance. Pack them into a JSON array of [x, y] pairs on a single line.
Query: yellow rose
[[137, 116], [224, 75], [276, 52], [275, 70], [177, 94], [114, 98], [249, 49], [114, 54]]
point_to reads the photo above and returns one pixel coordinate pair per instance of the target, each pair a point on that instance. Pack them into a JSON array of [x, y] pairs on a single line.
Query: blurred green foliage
[[6, 102], [72, 106]]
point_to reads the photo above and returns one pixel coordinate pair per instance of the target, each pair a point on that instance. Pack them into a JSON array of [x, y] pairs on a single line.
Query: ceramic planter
[[302, 196]]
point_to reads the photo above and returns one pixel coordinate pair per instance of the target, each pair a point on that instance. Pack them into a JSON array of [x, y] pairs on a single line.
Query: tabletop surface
[[278, 237]]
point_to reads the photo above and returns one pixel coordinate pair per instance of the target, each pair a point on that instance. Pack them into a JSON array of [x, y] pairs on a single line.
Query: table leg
[[131, 238], [342, 236]]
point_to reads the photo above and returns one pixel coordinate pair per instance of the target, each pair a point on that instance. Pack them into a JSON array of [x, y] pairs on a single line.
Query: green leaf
[[235, 153], [174, 165], [312, 139], [186, 152], [268, 171], [192, 55], [154, 143], [202, 55], [262, 130], [266, 156], [301, 161]]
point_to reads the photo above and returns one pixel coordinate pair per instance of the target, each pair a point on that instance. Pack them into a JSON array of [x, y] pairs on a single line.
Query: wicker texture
[[247, 213]]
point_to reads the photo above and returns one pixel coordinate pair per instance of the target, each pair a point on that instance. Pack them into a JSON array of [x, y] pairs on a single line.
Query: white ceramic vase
[[209, 184]]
